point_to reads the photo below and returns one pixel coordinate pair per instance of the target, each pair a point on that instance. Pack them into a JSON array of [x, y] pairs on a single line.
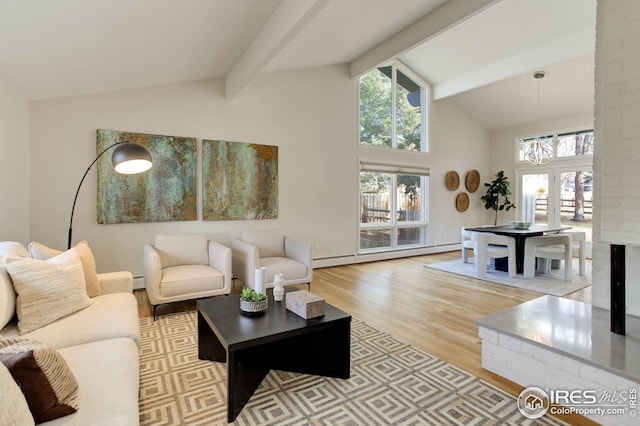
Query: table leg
[[245, 372], [209, 346], [520, 240], [323, 352]]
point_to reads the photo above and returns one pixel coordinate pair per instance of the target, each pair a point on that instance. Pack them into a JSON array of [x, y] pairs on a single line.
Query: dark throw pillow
[[43, 376]]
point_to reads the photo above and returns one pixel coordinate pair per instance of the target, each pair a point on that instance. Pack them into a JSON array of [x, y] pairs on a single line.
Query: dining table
[[520, 235]]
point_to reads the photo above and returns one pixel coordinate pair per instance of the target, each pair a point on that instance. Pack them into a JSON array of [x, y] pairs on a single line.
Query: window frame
[[394, 225], [555, 140], [425, 102]]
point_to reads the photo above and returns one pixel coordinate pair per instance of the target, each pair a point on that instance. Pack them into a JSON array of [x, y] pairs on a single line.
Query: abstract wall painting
[[239, 181], [165, 193]]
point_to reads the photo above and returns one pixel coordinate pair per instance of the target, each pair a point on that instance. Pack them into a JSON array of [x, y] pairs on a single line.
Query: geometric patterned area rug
[[552, 283], [391, 383]]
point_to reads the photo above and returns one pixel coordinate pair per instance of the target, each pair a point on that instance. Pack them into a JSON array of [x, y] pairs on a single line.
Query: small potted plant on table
[[252, 302]]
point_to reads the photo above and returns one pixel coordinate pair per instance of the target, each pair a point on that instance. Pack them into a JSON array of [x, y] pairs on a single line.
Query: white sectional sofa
[[100, 344]]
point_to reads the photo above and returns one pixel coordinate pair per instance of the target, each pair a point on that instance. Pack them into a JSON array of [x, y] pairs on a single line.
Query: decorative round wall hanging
[[453, 180], [462, 202], [472, 181]]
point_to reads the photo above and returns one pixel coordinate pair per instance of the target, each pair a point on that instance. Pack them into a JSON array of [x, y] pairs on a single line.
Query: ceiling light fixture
[[539, 150]]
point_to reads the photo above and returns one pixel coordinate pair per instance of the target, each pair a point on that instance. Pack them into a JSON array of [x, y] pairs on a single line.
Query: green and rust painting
[[239, 181], [165, 193]]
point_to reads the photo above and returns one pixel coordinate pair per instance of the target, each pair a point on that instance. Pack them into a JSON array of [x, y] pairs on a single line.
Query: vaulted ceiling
[[480, 53]]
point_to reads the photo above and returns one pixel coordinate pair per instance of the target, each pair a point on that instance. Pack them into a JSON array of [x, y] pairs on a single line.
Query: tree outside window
[[378, 89]]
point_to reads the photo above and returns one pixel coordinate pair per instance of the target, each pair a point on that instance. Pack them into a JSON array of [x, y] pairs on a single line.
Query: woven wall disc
[[453, 180], [472, 181], [462, 202]]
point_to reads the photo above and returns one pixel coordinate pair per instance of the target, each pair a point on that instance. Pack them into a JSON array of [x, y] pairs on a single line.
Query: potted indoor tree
[[497, 195]]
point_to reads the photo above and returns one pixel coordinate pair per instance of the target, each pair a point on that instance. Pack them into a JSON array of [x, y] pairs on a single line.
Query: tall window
[[393, 196], [392, 207], [392, 110]]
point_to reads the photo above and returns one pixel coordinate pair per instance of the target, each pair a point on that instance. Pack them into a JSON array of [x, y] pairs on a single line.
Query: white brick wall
[[528, 364], [616, 217]]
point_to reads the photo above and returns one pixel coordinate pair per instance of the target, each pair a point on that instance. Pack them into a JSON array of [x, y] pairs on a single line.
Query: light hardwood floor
[[429, 309]]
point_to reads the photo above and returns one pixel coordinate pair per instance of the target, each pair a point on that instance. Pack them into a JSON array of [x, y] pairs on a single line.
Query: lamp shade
[[130, 158]]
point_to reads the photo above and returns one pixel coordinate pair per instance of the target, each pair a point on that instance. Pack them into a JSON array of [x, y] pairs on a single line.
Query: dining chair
[[492, 246], [467, 244], [550, 247], [578, 248]]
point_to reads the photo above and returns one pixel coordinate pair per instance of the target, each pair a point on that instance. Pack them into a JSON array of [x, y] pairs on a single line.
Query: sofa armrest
[[245, 259], [220, 258], [116, 282], [152, 270]]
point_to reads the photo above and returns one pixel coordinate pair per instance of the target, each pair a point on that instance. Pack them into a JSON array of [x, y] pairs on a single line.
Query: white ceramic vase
[[278, 289], [259, 280]]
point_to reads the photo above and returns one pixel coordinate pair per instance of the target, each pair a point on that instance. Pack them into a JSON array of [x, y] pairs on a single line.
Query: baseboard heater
[[326, 262]]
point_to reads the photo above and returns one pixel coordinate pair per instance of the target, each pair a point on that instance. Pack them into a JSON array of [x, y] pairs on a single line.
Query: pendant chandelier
[[538, 150]]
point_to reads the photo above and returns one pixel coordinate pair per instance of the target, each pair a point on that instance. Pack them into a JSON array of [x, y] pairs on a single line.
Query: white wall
[[310, 114], [14, 165], [457, 143]]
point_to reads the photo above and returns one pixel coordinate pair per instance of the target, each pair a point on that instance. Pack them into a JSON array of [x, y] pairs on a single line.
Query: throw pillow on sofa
[[7, 292], [47, 383], [13, 405], [41, 252], [47, 289]]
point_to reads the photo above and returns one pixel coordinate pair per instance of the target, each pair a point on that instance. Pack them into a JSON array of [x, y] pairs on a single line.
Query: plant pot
[[252, 308]]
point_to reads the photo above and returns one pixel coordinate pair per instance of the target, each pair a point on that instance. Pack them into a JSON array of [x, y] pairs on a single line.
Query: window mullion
[[394, 115], [393, 213], [423, 200]]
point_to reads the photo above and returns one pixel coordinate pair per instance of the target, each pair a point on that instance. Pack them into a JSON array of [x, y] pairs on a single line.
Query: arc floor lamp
[[128, 159]]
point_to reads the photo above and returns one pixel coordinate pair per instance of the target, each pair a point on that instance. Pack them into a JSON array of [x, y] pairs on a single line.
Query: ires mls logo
[[533, 403]]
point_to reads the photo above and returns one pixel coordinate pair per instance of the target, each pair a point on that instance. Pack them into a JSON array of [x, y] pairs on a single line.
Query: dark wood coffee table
[[277, 339]]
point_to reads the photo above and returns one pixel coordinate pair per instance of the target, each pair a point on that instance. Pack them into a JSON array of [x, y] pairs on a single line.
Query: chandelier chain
[[539, 150]]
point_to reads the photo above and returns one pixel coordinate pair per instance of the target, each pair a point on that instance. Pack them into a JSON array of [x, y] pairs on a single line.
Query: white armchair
[[277, 253], [185, 266]]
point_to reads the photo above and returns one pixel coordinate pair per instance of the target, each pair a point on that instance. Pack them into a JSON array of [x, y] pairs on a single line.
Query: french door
[[537, 197], [557, 196]]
